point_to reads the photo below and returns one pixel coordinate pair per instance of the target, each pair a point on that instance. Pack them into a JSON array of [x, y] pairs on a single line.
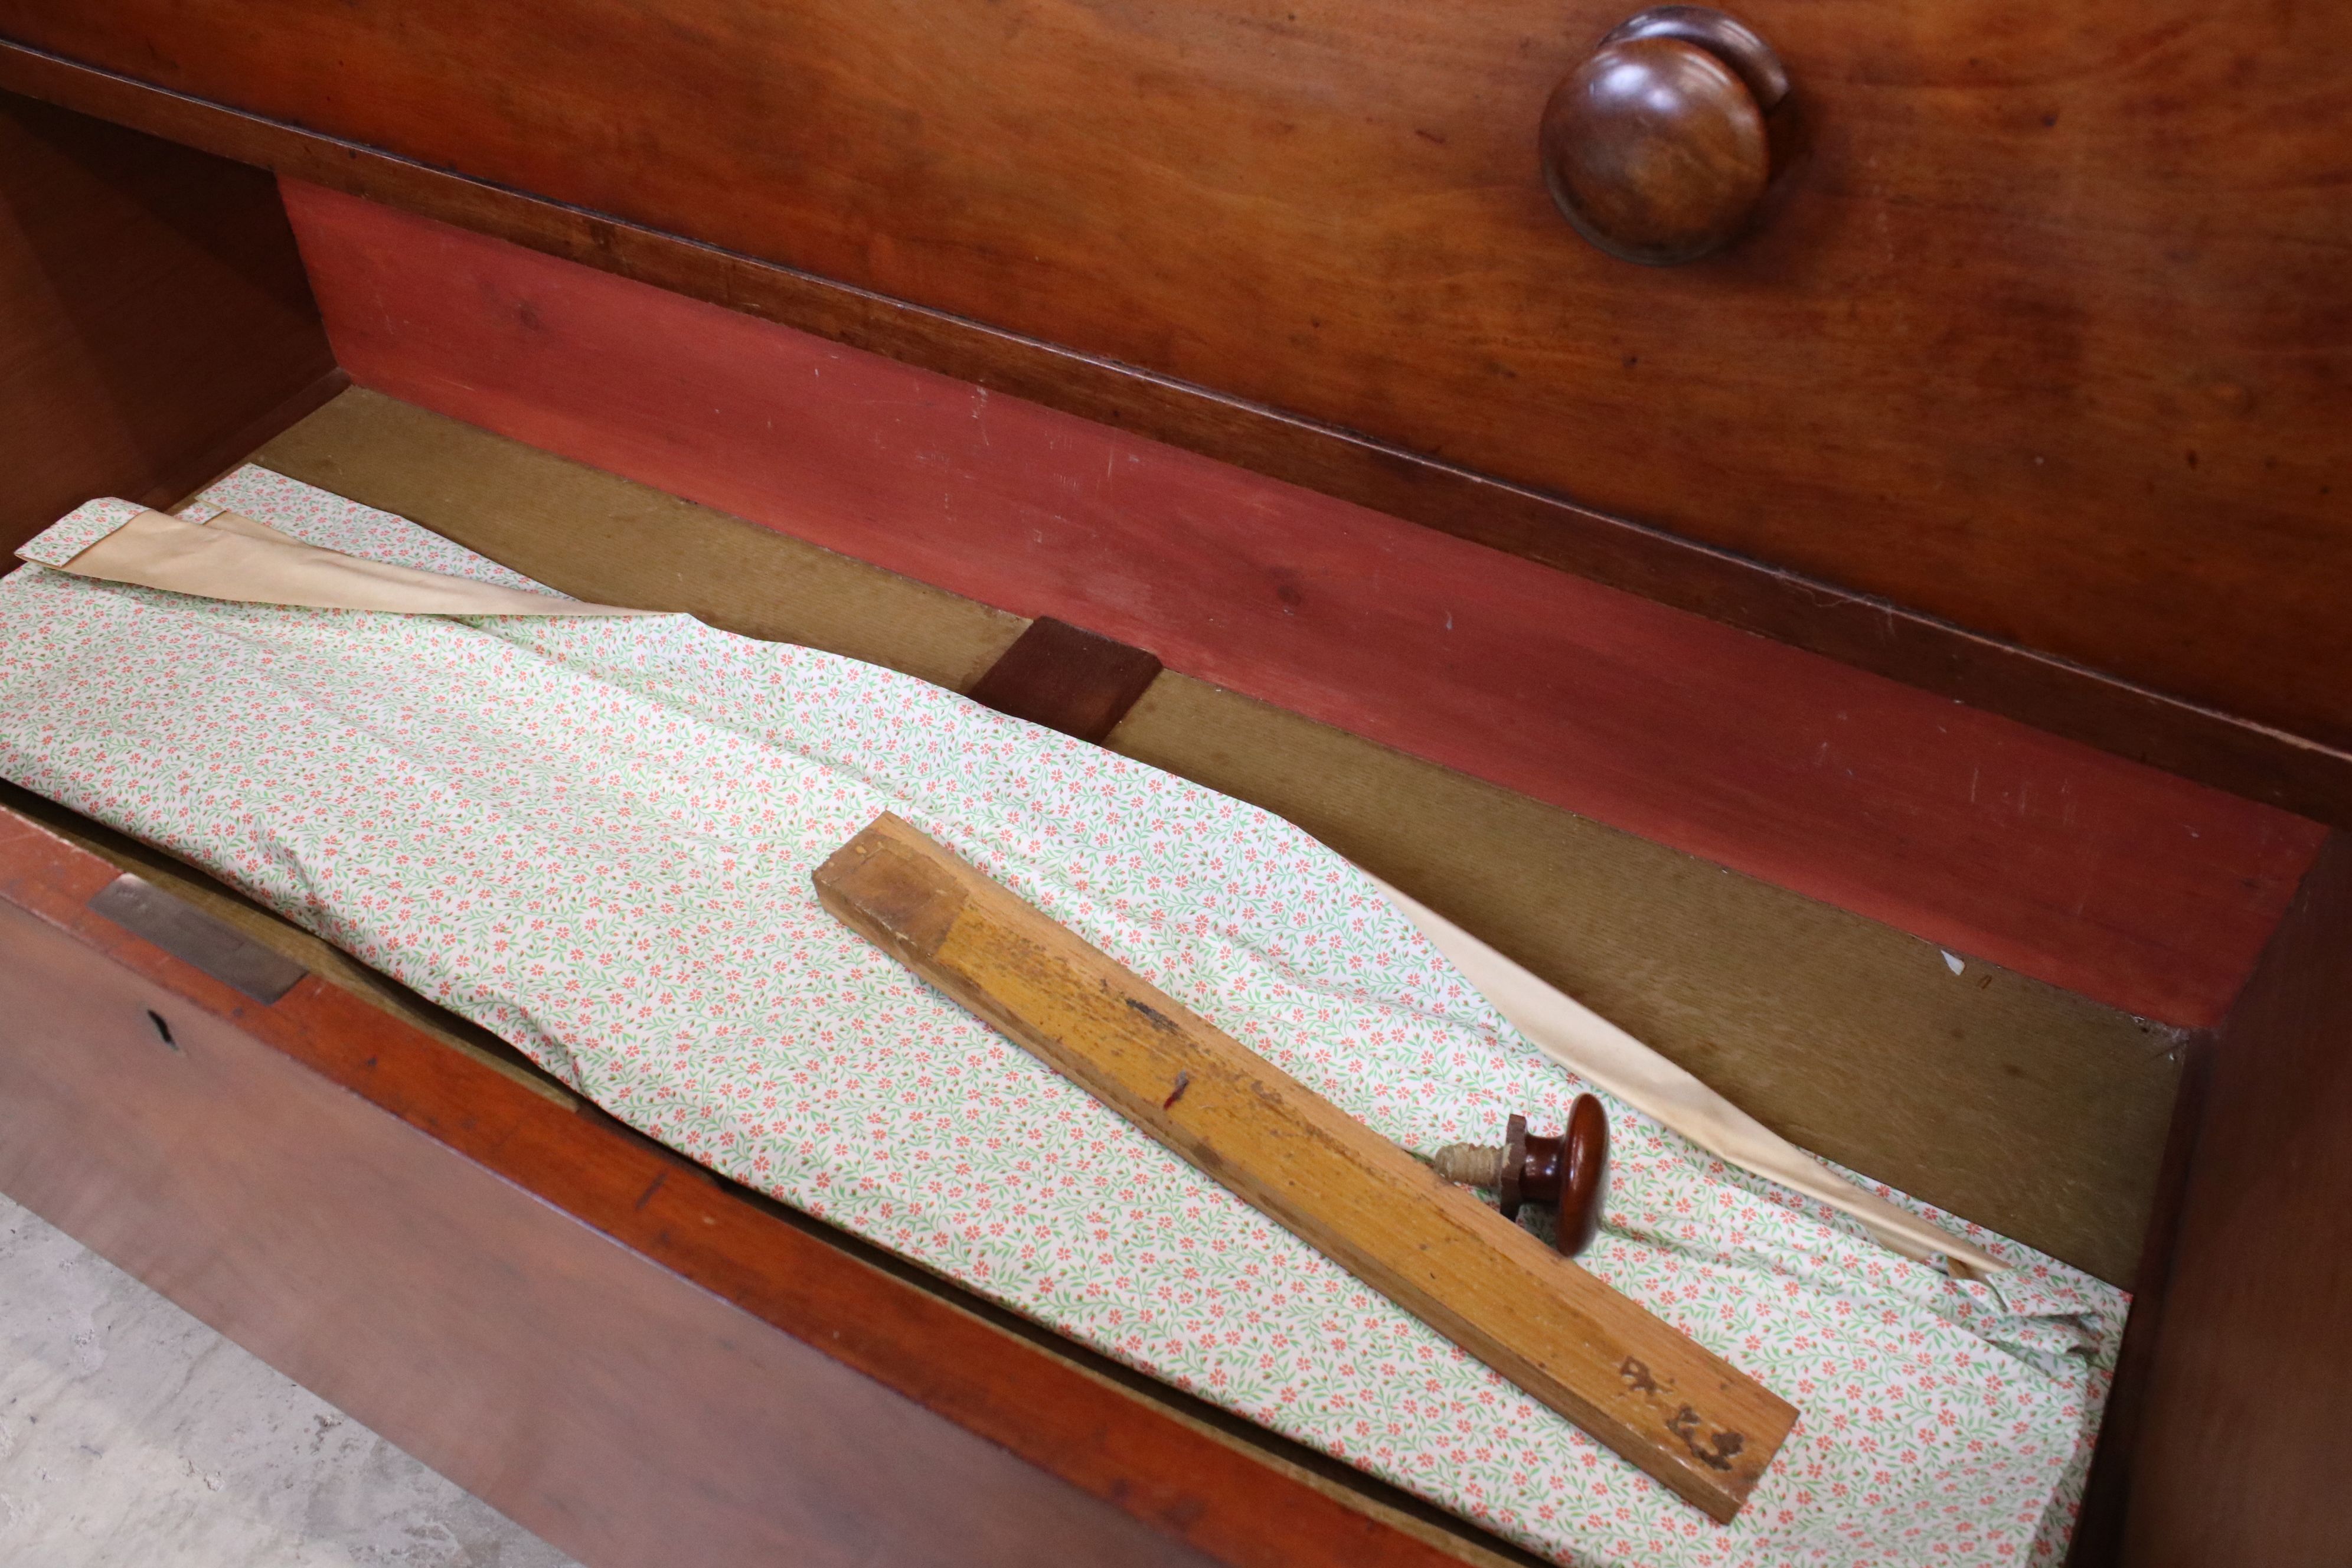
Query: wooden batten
[[1688, 1419]]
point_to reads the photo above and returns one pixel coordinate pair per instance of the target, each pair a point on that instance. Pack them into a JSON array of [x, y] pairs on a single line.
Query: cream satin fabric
[[1609, 1058], [233, 557]]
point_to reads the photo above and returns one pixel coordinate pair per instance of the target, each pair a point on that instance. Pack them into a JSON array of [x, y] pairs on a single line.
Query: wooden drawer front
[[2044, 329]]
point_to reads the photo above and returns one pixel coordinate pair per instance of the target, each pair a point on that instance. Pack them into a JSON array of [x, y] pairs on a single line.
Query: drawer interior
[[2006, 1099], [2003, 1098]]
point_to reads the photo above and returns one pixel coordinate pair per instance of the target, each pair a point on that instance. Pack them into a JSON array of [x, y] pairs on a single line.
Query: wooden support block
[[1067, 678], [1690, 1419]]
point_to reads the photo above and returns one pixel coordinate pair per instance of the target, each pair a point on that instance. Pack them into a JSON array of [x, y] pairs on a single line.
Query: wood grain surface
[[2242, 1430], [431, 1246], [2107, 1489], [154, 323], [1984, 835], [2129, 719], [1688, 1418], [2046, 335], [1996, 1096]]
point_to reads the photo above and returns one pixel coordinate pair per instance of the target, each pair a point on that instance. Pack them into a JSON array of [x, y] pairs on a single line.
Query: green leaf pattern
[[594, 837]]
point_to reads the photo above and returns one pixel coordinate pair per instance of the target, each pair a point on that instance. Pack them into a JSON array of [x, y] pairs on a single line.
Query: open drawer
[[241, 1100], [647, 1365]]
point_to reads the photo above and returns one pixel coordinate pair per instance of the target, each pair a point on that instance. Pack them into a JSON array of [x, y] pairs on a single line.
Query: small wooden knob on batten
[[1569, 1172], [1655, 147]]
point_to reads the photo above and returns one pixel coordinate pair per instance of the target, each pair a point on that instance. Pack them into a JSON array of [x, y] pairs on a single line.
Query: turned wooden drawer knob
[[1655, 147], [1569, 1172]]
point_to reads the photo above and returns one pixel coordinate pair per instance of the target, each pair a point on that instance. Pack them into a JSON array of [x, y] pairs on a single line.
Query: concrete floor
[[133, 1437]]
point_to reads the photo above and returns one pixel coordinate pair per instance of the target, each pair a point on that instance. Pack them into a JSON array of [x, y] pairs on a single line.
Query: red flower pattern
[[593, 838]]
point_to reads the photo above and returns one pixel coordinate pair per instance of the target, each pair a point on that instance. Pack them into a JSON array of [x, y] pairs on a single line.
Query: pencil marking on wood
[[1150, 1013]]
